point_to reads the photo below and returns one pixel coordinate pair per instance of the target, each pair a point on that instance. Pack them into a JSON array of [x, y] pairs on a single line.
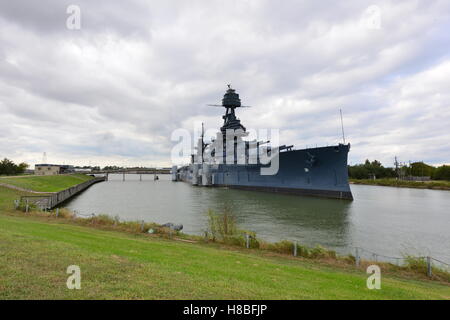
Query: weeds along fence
[[360, 255], [427, 262], [364, 254], [219, 223]]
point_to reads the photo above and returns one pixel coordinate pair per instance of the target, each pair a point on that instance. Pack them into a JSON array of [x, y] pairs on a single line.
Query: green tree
[[442, 173], [22, 167], [7, 167], [370, 169], [420, 169]]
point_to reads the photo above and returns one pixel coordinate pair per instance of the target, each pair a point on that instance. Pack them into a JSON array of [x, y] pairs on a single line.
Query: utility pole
[[423, 165], [396, 167], [410, 171]]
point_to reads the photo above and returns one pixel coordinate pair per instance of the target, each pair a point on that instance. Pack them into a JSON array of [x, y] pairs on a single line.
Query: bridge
[[139, 171], [135, 171]]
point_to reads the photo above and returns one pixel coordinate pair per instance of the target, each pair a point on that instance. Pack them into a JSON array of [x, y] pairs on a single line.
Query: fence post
[[26, 207], [247, 240], [57, 212], [93, 216], [142, 226], [295, 248], [357, 257], [116, 218], [16, 204], [429, 271]]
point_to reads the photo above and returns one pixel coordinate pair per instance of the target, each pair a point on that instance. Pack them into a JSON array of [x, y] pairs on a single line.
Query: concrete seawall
[[52, 200], [62, 196]]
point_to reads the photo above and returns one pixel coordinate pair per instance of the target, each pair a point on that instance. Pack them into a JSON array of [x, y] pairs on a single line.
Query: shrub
[[222, 225], [351, 259], [303, 251], [65, 213], [103, 219], [320, 252], [284, 246], [416, 264]]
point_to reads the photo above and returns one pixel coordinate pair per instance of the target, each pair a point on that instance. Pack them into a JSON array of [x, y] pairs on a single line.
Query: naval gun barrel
[[285, 147]]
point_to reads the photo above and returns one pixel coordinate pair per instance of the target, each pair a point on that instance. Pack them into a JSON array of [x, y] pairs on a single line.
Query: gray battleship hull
[[315, 172]]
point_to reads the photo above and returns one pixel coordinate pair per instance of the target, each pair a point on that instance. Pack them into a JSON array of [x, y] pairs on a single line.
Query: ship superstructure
[[233, 160]]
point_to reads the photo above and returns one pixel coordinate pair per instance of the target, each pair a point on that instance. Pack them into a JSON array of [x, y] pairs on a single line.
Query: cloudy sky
[[113, 91]]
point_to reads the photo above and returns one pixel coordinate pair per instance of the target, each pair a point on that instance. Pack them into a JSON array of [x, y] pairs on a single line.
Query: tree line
[[369, 170], [8, 167]]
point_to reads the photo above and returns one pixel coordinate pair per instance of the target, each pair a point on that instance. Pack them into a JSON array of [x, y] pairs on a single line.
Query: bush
[[442, 173], [65, 213], [303, 251], [284, 246], [321, 252], [103, 219], [241, 241], [416, 264], [223, 228], [351, 259], [222, 225], [287, 247]]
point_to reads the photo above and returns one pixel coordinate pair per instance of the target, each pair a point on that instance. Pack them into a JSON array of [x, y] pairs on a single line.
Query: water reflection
[[386, 220], [275, 216]]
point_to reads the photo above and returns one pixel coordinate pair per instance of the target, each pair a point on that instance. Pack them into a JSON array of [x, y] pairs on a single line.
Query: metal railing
[[400, 261]]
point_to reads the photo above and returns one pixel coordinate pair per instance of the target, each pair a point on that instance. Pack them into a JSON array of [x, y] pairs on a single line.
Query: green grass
[[35, 253], [46, 183], [7, 196], [437, 185]]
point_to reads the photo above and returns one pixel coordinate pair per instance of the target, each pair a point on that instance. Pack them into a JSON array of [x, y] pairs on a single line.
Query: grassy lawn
[[36, 251], [437, 185], [46, 183], [7, 196]]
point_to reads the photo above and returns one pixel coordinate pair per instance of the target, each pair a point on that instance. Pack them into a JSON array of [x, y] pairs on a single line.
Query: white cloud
[[114, 91]]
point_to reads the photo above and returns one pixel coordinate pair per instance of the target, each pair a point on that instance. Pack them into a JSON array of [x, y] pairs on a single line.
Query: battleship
[[320, 171]]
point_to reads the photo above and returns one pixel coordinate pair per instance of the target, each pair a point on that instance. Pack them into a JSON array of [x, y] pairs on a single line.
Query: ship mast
[[342, 126], [230, 102], [203, 142]]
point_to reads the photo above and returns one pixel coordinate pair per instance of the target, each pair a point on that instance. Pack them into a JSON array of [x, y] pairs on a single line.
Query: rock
[[176, 227]]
